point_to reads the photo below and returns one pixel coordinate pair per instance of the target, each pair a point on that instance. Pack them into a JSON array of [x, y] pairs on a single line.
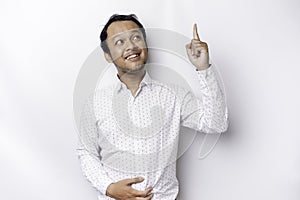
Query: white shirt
[[124, 136]]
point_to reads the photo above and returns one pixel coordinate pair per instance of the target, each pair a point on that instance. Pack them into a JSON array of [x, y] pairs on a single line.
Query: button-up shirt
[[126, 136]]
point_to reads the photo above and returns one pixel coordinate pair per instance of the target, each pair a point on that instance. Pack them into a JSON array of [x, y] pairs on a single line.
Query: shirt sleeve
[[88, 150], [208, 113]]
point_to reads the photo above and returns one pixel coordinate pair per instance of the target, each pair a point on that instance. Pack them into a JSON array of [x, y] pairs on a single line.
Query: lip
[[135, 56]]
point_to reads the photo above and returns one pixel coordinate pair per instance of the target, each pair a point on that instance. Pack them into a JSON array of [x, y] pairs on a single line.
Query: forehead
[[118, 27]]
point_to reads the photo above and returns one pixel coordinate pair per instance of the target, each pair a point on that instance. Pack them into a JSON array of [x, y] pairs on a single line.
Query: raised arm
[[209, 113]]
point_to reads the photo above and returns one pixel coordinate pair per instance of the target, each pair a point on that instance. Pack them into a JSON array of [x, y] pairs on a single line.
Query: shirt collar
[[146, 81]]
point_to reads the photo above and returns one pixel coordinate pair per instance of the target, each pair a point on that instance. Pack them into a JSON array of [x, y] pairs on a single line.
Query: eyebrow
[[131, 31]]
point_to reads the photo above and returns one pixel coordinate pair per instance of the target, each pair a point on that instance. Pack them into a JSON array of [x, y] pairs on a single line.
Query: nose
[[131, 46]]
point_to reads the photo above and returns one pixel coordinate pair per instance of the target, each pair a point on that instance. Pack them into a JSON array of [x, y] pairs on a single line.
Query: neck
[[132, 79]]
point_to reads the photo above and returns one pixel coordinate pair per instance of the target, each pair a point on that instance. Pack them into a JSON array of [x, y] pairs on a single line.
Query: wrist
[[204, 67], [109, 190]]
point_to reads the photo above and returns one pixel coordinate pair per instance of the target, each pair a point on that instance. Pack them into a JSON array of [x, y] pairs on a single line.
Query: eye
[[119, 42], [136, 38]]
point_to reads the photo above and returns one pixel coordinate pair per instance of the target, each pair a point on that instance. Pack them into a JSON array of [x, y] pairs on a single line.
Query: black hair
[[117, 17]]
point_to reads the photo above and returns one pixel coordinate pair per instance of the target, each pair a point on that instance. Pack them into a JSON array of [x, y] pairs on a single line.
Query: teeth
[[132, 56]]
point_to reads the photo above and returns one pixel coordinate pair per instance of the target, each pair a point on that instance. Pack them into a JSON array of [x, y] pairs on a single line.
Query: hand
[[122, 190], [198, 51]]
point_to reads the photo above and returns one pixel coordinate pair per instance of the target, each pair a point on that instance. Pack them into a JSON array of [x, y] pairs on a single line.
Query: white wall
[[254, 44]]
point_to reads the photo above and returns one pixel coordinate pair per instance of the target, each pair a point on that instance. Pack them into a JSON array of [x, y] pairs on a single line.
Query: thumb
[[188, 46], [189, 50], [131, 181]]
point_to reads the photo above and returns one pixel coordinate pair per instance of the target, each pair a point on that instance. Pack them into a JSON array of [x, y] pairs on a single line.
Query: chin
[[134, 69]]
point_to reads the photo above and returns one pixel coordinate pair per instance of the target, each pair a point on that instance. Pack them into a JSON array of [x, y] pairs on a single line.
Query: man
[[129, 131]]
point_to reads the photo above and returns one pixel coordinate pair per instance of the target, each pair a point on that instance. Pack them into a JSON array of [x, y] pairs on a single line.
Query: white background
[[254, 44]]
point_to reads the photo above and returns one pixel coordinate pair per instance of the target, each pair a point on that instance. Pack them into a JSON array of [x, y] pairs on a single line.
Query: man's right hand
[[122, 190]]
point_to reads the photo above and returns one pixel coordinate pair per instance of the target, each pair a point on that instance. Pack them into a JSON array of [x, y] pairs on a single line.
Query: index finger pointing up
[[195, 32]]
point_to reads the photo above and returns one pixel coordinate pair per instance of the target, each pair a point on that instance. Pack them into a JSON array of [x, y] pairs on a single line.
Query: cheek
[[142, 45], [116, 53], [145, 50]]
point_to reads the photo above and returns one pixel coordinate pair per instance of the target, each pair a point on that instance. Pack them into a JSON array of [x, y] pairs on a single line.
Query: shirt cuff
[[206, 76], [104, 185]]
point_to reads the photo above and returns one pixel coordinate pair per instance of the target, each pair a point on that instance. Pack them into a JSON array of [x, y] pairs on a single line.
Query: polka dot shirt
[[124, 136]]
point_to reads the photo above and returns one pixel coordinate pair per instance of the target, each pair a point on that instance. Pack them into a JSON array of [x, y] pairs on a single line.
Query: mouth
[[133, 56]]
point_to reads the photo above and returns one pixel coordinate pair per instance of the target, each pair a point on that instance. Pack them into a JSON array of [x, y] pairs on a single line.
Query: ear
[[108, 57]]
